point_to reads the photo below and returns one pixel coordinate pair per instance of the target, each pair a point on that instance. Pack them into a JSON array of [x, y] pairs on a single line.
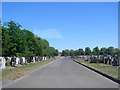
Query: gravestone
[[34, 59], [45, 58], [17, 61], [12, 62], [2, 62], [22, 60], [118, 61], [42, 58], [9, 59]]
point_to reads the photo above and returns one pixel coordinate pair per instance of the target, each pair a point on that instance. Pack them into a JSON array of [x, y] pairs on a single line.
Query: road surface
[[63, 73]]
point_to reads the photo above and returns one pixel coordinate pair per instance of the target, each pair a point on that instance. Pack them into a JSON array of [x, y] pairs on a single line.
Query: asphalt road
[[63, 73]]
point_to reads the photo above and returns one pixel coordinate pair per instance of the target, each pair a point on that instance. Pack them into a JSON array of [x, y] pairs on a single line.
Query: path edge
[[101, 73]]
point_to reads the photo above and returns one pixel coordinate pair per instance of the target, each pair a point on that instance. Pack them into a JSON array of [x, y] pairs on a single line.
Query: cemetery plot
[[12, 73], [105, 68]]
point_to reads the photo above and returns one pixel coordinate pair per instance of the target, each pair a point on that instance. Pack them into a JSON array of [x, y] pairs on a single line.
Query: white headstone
[[9, 59], [34, 59], [42, 58], [23, 59], [2, 61], [17, 60], [45, 58]]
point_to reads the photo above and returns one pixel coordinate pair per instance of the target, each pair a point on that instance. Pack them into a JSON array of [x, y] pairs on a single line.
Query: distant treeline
[[17, 42], [96, 51]]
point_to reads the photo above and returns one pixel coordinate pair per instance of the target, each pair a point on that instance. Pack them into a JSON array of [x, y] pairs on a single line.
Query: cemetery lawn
[[107, 69], [12, 73]]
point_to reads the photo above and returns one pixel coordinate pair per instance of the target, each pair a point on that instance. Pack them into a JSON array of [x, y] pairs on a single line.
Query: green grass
[[110, 70], [12, 73]]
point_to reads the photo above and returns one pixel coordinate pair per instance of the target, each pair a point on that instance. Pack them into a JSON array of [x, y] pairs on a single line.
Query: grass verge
[[12, 73], [107, 69]]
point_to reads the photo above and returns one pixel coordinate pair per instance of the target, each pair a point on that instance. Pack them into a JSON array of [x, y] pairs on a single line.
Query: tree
[[66, 52], [10, 32], [103, 51], [53, 51], [39, 46], [117, 51], [81, 51], [110, 51], [45, 48], [28, 40], [76, 53], [72, 53], [96, 51], [17, 42], [87, 51]]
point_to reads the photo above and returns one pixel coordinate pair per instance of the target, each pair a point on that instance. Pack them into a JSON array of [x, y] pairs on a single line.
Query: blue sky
[[67, 25]]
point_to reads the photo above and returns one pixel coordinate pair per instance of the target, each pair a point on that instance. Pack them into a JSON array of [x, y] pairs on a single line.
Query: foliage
[[7, 63], [17, 42], [81, 51], [72, 53], [103, 51], [87, 51], [96, 51], [112, 71], [117, 52], [76, 52], [110, 51], [66, 52]]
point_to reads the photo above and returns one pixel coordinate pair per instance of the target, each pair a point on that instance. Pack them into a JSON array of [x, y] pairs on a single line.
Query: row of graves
[[16, 61], [111, 60]]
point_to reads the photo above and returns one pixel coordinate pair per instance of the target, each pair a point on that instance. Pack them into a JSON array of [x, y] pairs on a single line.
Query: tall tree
[[110, 51], [76, 53], [87, 51], [10, 33], [66, 52], [96, 51], [103, 51], [17, 42], [81, 51], [117, 51], [72, 53]]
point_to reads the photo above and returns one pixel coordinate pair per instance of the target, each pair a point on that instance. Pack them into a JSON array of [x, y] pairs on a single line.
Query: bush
[[7, 64]]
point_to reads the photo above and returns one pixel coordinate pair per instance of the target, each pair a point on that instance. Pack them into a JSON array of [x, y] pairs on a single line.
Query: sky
[[67, 25]]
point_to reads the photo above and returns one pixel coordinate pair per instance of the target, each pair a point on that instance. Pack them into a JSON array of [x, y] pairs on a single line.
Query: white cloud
[[50, 33]]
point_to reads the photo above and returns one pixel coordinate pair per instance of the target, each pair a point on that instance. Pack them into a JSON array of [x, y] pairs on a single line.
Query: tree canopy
[[96, 51], [17, 42]]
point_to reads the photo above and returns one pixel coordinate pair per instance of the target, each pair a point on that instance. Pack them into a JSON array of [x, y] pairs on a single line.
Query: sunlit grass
[[108, 69], [12, 73]]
